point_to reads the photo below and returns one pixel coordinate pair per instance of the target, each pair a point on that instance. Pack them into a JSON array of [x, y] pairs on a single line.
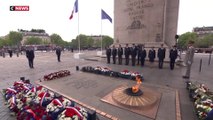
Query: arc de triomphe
[[149, 22]]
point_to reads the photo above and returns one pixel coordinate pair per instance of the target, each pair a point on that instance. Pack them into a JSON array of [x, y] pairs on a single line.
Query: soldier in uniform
[[189, 59], [161, 56], [142, 55], [173, 53], [108, 53], [120, 53], [133, 54], [114, 54], [127, 53], [139, 53], [151, 55]]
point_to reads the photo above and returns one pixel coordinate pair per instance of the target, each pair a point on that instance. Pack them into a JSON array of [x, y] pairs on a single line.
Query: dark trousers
[[59, 58], [108, 59], [11, 54], [138, 60], [114, 59], [127, 60], [30, 63], [142, 61], [172, 64], [160, 63], [119, 60], [133, 61]]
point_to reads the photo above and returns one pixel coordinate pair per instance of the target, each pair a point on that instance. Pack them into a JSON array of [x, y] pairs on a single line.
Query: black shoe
[[185, 77]]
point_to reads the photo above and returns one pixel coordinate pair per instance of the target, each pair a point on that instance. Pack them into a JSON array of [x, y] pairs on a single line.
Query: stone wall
[[149, 22]]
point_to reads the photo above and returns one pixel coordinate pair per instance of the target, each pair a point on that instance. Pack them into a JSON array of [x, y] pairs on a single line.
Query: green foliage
[[200, 42], [33, 41], [56, 39], [205, 42], [107, 41], [185, 38], [15, 38], [88, 42], [2, 42]]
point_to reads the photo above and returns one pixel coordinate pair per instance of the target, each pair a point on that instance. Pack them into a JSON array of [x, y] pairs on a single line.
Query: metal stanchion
[[200, 65], [210, 55]]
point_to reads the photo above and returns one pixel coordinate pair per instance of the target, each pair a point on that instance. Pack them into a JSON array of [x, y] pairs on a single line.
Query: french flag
[[31, 112], [75, 9], [57, 102], [11, 90], [72, 110]]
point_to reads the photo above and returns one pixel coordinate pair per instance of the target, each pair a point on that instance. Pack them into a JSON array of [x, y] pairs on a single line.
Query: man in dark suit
[[173, 53], [133, 54], [139, 53], [142, 55], [30, 56], [108, 53], [161, 56], [120, 53], [151, 55], [58, 53], [114, 54], [127, 53], [10, 52]]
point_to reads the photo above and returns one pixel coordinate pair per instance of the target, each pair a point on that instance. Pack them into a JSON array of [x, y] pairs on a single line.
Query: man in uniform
[[161, 56], [142, 55], [120, 53], [108, 53], [151, 55], [133, 54], [189, 59], [127, 53], [139, 53], [173, 53], [114, 54]]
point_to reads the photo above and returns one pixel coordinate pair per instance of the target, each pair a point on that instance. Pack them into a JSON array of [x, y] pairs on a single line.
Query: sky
[[53, 16]]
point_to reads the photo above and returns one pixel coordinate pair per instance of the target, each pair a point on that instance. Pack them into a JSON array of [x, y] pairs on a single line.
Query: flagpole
[[101, 36], [79, 44]]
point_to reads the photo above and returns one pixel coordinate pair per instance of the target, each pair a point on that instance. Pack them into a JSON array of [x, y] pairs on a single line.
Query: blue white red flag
[[75, 9]]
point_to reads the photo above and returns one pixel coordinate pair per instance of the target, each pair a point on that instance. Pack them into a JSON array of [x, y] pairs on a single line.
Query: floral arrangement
[[27, 102], [55, 75], [202, 98], [108, 72], [130, 74]]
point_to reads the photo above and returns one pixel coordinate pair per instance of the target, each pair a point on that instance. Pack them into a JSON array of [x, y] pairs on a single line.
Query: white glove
[[189, 62]]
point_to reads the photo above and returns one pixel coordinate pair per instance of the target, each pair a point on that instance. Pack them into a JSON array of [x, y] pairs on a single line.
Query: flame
[[136, 87]]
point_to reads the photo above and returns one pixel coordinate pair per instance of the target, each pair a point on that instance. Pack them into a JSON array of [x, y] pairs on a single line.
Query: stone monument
[[149, 22]]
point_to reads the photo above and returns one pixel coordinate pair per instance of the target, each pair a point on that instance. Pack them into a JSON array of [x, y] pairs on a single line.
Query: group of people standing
[[31, 55], [140, 53]]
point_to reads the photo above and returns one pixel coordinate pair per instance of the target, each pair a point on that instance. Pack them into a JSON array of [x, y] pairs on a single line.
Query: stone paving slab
[[87, 87], [13, 68]]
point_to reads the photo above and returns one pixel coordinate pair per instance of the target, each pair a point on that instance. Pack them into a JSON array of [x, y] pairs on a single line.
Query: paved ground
[[13, 68]]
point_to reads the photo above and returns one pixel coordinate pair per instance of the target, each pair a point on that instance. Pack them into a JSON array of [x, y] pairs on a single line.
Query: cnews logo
[[19, 8]]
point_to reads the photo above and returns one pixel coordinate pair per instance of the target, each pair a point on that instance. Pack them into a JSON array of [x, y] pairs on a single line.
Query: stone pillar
[[149, 22]]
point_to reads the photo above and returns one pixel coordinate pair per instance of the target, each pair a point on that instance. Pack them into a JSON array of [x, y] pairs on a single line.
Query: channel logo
[[19, 8]]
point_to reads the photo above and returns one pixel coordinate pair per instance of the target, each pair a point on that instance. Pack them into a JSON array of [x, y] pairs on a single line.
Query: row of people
[[141, 54]]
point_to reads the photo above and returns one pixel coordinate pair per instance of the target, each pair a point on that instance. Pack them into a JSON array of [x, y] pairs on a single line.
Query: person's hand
[[189, 62]]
